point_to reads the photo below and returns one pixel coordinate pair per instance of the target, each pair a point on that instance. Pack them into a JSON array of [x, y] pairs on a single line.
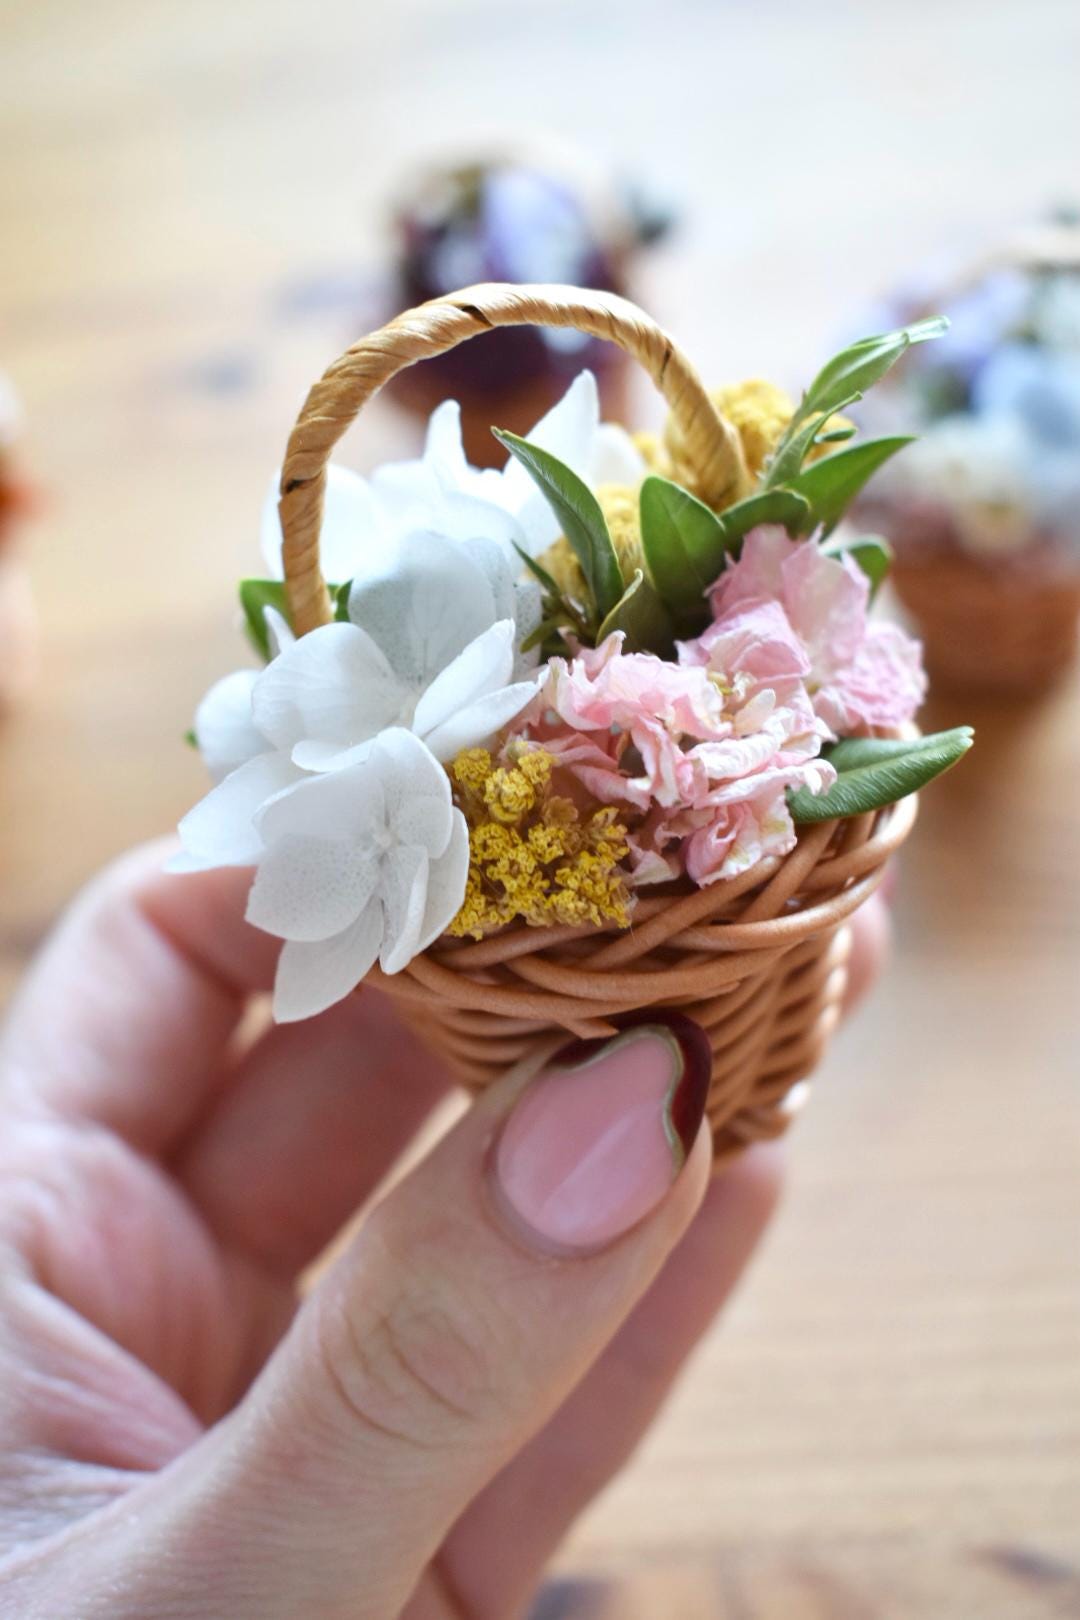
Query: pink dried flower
[[787, 612], [704, 757]]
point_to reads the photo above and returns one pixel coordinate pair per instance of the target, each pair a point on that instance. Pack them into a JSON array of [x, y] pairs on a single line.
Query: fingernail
[[600, 1135]]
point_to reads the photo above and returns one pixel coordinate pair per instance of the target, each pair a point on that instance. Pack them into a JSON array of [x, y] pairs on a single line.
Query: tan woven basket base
[[987, 629], [758, 961]]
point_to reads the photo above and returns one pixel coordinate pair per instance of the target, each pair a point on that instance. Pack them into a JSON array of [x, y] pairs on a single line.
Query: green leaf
[[838, 384], [876, 771], [339, 595], [785, 463], [538, 571], [564, 611], [832, 483], [784, 506], [191, 739], [578, 511], [537, 637], [683, 542], [644, 618], [255, 596], [855, 369], [870, 551]]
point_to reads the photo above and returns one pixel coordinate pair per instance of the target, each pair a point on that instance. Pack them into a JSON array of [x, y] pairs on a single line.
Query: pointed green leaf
[[832, 483], [683, 542], [785, 506], [339, 595], [578, 511], [786, 461], [191, 739], [554, 596], [537, 637], [255, 595], [870, 551], [643, 617], [838, 384], [858, 367], [538, 571], [876, 771]]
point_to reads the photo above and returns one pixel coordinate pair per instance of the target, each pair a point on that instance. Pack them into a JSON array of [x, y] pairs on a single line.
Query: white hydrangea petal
[[345, 804], [517, 596], [499, 565], [314, 754], [528, 612], [350, 533], [407, 773], [403, 890], [224, 728], [446, 884], [311, 888], [334, 684], [444, 451], [427, 610], [424, 820], [484, 665], [615, 459], [279, 632], [220, 830], [314, 974], [350, 526], [475, 722], [469, 517], [445, 460], [568, 430]]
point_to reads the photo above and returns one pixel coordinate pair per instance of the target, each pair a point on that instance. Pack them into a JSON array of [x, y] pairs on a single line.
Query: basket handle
[[712, 446]]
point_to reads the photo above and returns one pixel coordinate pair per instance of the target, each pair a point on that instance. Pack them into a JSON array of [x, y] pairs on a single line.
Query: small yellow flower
[[471, 770], [509, 795], [760, 413], [534, 764], [531, 856]]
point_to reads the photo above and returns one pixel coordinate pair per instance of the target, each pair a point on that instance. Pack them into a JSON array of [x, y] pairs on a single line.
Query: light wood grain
[[888, 1424]]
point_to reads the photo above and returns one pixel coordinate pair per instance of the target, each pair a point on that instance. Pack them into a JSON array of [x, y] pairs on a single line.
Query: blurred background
[[195, 202]]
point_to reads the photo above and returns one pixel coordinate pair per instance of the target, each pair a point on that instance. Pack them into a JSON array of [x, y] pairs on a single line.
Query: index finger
[[127, 1014]]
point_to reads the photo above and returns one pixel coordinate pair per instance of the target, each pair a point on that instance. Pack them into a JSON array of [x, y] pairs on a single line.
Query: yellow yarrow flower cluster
[[760, 413], [531, 855]]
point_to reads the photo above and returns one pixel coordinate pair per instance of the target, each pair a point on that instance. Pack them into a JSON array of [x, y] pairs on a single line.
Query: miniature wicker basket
[[989, 628], [986, 628], [758, 959]]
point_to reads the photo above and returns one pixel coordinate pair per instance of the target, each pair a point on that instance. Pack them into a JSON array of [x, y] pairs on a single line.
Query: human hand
[[178, 1437]]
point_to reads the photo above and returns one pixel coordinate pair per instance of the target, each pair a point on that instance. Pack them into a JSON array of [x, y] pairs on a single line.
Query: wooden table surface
[[888, 1423]]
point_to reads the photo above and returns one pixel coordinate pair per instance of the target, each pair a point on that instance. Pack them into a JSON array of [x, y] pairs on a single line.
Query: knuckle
[[410, 1370]]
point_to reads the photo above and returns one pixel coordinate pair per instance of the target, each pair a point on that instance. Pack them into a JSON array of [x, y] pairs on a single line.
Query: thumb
[[468, 1306]]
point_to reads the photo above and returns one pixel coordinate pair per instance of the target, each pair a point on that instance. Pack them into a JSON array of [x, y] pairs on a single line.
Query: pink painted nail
[[601, 1134]]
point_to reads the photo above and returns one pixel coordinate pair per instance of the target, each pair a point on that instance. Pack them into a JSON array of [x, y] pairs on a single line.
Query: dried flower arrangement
[[609, 728], [985, 514]]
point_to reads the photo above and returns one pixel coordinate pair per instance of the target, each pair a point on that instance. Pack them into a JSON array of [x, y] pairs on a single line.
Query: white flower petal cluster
[[365, 521], [328, 764], [423, 649], [365, 863]]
